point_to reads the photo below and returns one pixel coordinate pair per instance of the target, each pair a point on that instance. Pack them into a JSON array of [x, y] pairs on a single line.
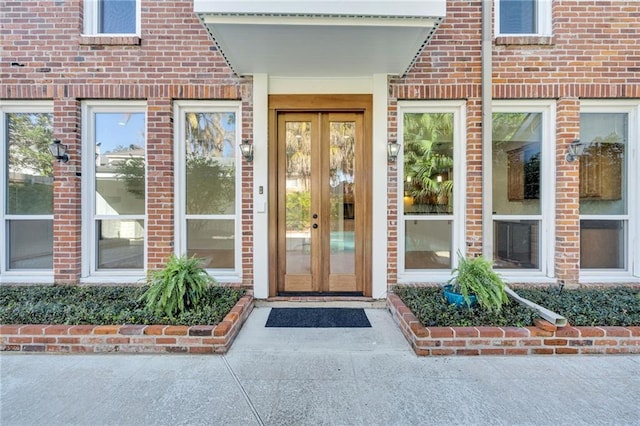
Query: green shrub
[[100, 305], [178, 287], [476, 276]]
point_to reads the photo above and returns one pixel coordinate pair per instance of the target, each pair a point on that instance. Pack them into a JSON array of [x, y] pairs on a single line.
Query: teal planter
[[458, 299]]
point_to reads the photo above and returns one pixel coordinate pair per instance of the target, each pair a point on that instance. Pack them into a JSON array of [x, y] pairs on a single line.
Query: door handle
[[315, 226]]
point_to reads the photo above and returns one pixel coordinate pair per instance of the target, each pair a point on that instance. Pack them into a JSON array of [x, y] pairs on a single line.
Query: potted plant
[[475, 281]]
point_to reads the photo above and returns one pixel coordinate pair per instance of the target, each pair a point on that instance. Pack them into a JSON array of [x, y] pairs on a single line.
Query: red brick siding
[[173, 59], [593, 54]]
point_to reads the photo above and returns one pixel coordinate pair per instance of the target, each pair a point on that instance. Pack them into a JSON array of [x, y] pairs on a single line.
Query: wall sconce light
[[246, 148], [574, 150], [393, 148], [59, 151]]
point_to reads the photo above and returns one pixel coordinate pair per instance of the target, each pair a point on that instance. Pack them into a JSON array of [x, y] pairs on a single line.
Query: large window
[[432, 187], [26, 231], [208, 185], [111, 17], [522, 154], [523, 17], [608, 189], [114, 184]]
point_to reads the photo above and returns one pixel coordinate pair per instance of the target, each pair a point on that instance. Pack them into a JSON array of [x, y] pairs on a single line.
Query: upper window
[[523, 17], [111, 17]]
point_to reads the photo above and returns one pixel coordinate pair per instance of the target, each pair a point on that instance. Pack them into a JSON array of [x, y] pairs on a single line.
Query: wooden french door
[[321, 202]]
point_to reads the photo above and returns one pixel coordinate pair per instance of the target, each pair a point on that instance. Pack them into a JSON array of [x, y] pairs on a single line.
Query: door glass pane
[[602, 244], [30, 171], [603, 167], [342, 191], [428, 163], [120, 244], [298, 197], [120, 163], [117, 17], [210, 159], [427, 244], [30, 244], [517, 141], [213, 241], [516, 244]]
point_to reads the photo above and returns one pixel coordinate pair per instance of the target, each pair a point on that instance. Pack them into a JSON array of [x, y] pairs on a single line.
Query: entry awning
[[320, 38]]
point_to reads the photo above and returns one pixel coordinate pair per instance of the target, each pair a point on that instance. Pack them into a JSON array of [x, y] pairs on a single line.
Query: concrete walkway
[[318, 376]]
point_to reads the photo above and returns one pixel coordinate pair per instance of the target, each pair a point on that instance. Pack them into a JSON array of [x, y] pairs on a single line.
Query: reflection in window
[[428, 190], [28, 208], [210, 187], [603, 191], [120, 189]]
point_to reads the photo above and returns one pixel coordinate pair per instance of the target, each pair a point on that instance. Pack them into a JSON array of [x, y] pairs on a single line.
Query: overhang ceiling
[[315, 38]]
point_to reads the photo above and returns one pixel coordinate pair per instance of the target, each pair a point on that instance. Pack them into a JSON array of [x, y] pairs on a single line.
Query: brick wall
[[173, 59], [593, 54], [200, 339], [542, 339]]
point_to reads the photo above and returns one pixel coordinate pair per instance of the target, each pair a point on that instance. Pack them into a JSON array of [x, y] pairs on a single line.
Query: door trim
[[320, 103]]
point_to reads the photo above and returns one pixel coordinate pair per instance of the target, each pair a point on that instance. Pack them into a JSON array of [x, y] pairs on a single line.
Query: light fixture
[[393, 148], [574, 150], [246, 148], [59, 151]]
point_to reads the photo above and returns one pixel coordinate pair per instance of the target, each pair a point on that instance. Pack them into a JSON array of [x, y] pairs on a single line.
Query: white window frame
[[180, 109], [632, 217], [91, 20], [547, 109], [543, 20], [44, 276], [458, 109], [90, 272]]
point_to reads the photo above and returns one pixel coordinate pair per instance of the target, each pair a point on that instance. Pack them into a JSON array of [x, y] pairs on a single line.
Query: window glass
[[210, 160], [518, 17], [117, 16], [603, 165], [517, 142], [120, 163], [428, 163], [30, 171], [428, 244], [120, 244], [213, 241], [30, 244]]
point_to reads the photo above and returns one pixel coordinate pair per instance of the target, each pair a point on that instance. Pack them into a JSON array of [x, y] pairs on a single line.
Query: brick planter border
[[541, 339], [199, 339]]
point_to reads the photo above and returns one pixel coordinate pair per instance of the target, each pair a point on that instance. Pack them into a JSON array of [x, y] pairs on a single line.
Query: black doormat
[[318, 318]]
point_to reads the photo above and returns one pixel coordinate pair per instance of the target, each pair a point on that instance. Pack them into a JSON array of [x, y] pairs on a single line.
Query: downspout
[[486, 122]]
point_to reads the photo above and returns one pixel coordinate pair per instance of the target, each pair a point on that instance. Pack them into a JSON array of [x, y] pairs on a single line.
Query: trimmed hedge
[[582, 307], [95, 305]]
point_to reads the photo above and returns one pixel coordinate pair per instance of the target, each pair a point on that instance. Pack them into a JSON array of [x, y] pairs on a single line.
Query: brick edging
[[542, 339], [198, 339]]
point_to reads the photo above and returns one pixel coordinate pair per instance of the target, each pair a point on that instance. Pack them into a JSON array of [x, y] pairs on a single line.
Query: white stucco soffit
[[320, 38]]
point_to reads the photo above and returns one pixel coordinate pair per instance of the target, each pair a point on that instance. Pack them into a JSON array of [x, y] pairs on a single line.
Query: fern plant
[[476, 276], [178, 287]]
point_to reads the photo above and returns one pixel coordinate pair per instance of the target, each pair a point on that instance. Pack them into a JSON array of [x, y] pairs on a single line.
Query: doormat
[[318, 318]]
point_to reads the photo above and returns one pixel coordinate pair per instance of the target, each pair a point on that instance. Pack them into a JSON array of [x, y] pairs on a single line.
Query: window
[[431, 227], [26, 230], [114, 187], [208, 185], [112, 17], [608, 192], [522, 154], [523, 17]]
